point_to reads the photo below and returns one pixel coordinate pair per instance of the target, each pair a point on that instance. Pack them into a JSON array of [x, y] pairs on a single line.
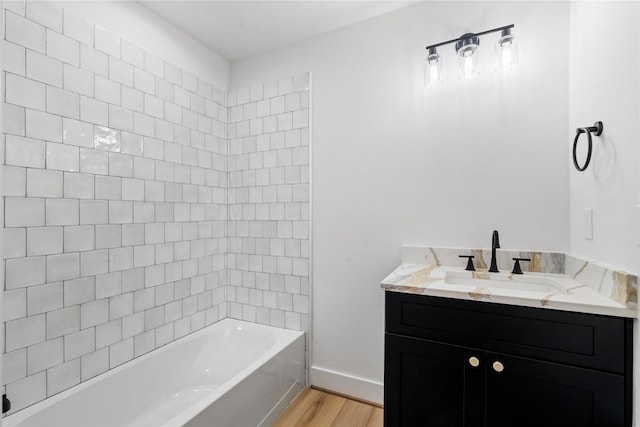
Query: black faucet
[[495, 244]]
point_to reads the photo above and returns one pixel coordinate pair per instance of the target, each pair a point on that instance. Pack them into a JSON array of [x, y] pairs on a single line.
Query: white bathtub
[[231, 373]]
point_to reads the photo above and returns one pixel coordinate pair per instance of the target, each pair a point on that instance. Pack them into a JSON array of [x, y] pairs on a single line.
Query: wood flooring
[[315, 408]]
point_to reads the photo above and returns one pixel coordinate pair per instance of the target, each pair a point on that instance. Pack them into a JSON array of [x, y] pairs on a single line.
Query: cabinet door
[[431, 384], [532, 393]]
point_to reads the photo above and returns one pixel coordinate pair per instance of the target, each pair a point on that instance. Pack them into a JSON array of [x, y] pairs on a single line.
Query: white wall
[[140, 26], [604, 85], [396, 163]]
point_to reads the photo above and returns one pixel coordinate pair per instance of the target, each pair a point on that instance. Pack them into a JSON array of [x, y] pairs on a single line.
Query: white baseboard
[[340, 382]]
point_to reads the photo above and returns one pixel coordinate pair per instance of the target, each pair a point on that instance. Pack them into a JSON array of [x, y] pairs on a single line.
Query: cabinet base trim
[[340, 382]]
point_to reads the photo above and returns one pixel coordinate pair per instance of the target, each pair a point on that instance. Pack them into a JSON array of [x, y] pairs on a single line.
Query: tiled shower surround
[[115, 199], [268, 196]]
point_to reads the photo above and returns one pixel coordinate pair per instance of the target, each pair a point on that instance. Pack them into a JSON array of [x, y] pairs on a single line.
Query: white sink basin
[[513, 282]]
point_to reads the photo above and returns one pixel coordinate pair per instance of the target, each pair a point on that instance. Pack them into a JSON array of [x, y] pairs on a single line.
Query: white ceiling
[[240, 29]]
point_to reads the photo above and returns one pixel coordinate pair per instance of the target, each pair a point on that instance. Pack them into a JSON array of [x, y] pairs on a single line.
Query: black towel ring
[[597, 130]]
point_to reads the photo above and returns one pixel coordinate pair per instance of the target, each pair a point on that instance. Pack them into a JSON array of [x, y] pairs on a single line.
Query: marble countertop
[[569, 294]]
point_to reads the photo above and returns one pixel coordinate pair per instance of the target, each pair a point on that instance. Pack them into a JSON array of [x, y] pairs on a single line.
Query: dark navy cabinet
[[455, 363]]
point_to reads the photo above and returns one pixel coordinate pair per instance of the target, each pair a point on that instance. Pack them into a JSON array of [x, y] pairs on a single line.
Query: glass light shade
[[467, 48], [433, 69], [468, 64], [506, 51]]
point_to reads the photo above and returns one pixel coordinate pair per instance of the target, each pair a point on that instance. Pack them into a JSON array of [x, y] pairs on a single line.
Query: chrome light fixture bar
[[467, 48]]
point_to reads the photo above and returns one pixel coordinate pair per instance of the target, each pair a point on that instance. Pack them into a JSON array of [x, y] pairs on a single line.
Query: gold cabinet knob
[[474, 361], [498, 367]]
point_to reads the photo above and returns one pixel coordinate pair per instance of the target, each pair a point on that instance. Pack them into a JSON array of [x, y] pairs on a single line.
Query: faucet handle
[[516, 265], [469, 266]]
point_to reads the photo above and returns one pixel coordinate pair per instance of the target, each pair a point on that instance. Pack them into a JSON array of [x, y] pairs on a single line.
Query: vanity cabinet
[[461, 363]]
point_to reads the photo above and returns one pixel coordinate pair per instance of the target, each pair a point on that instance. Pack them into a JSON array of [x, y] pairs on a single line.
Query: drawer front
[[587, 340]]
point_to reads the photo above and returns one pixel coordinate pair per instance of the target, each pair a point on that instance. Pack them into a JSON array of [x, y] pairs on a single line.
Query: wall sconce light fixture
[[467, 48], [433, 68], [506, 50]]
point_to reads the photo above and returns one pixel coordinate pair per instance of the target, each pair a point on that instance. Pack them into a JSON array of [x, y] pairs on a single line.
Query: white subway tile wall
[[114, 185], [268, 200], [138, 207]]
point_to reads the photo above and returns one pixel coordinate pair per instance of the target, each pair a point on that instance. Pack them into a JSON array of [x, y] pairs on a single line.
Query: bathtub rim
[[290, 336]]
